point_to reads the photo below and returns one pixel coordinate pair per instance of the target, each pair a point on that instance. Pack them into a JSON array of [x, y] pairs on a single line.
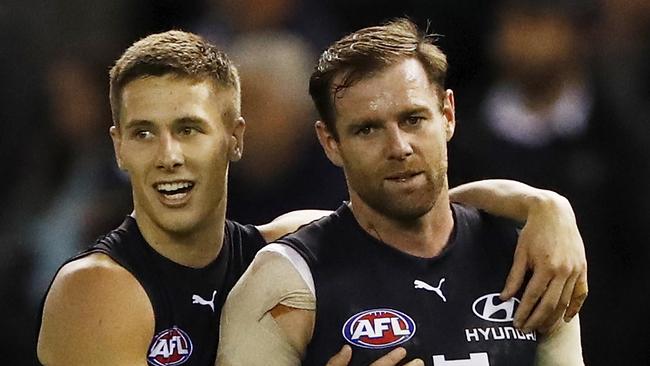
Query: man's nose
[[170, 153], [398, 144]]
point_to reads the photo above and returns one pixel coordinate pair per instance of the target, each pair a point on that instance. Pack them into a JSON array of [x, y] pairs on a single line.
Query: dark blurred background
[[553, 93]]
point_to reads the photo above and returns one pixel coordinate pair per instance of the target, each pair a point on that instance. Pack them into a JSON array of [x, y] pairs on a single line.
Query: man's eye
[[414, 120], [142, 134], [187, 131], [365, 130]]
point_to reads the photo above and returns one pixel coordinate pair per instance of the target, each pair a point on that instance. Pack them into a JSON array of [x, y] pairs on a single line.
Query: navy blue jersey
[[441, 309], [186, 301]]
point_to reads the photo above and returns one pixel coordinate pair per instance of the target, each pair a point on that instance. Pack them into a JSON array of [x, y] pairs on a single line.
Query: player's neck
[[196, 248], [423, 237]]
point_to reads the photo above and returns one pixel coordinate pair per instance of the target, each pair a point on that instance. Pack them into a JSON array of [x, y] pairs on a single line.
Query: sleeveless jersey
[[444, 310], [186, 301]]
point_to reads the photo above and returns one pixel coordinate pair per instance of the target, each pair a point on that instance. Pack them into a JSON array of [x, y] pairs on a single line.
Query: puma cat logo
[[196, 299], [426, 286]]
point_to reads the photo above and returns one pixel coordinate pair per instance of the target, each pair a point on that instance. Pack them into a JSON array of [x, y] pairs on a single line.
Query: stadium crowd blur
[[553, 93]]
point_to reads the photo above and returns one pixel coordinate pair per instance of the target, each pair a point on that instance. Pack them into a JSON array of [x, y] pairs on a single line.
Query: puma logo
[[426, 286], [196, 299]]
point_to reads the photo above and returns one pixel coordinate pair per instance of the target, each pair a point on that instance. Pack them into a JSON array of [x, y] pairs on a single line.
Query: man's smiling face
[[175, 139]]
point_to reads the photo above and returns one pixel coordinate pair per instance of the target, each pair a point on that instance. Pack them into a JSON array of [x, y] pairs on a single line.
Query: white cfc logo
[[475, 359]]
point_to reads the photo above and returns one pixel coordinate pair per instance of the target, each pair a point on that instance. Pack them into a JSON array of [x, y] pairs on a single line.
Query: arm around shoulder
[[289, 222], [96, 313], [511, 199], [550, 245]]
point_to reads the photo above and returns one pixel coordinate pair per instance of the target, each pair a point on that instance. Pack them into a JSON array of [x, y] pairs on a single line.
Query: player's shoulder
[[244, 234], [324, 226], [322, 238], [93, 269], [270, 258], [95, 283], [93, 300], [478, 227]]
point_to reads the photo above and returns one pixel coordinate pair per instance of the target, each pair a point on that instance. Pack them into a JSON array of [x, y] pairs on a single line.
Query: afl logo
[[170, 347], [490, 307], [378, 328]]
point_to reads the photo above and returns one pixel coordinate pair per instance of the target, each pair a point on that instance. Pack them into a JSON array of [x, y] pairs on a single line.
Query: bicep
[[95, 315], [561, 347], [273, 303]]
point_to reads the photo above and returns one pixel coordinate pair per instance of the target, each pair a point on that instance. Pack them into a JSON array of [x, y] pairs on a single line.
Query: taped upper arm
[[96, 313], [562, 346], [271, 282]]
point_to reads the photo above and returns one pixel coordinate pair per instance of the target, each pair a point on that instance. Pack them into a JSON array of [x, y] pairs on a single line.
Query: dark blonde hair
[[173, 52], [368, 50]]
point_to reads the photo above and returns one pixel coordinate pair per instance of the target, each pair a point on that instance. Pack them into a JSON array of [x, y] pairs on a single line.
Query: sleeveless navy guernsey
[[444, 310], [186, 301]]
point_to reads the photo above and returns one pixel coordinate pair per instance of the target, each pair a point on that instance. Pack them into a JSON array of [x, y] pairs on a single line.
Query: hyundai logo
[[490, 307]]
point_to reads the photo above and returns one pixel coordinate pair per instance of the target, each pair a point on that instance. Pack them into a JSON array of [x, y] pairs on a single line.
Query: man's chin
[[179, 224], [405, 209], [407, 213]]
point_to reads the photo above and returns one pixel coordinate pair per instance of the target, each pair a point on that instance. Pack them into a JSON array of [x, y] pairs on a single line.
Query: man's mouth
[[403, 176], [176, 190]]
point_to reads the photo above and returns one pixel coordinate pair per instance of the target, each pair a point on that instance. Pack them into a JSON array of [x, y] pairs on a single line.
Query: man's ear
[[236, 145], [449, 112], [329, 143], [116, 136]]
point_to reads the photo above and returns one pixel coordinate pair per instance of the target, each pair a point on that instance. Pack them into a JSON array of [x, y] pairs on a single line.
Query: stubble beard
[[405, 208]]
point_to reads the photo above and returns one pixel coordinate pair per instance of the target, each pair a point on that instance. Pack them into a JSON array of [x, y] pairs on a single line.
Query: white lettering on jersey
[[377, 327], [397, 329], [498, 333], [364, 329], [166, 347], [475, 359]]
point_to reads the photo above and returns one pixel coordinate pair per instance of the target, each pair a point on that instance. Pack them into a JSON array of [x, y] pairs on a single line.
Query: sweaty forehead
[[402, 85]]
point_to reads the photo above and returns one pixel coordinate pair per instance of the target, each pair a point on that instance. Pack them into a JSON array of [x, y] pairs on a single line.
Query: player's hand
[[551, 246], [342, 358]]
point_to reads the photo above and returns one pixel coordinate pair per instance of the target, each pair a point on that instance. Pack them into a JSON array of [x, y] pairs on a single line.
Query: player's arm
[[289, 223], [549, 244], [275, 306], [269, 283], [96, 313], [561, 346]]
